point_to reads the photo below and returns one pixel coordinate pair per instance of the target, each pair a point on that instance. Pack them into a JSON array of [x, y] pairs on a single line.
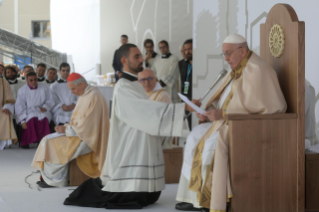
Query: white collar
[[130, 74], [86, 89], [157, 87], [61, 79], [40, 78], [12, 81]]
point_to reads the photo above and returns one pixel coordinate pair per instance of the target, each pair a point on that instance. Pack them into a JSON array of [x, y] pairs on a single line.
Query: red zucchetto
[[74, 76]]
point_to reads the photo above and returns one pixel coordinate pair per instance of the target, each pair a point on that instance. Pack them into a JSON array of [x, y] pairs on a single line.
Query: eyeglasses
[[229, 54], [146, 79]]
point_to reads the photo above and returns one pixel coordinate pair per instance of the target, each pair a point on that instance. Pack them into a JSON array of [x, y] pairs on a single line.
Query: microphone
[[221, 75]]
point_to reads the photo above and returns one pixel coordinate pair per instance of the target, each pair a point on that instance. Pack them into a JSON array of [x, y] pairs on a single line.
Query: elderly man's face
[[233, 54], [147, 79], [77, 90]]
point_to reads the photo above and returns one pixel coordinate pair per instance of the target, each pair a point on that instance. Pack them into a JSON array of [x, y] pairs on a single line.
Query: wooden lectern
[[267, 157]]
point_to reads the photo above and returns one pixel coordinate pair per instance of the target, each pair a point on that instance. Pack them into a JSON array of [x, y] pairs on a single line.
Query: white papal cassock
[[134, 159], [62, 96]]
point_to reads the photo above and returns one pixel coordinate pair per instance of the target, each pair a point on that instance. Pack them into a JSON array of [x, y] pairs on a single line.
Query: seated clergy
[[85, 137], [51, 76], [11, 75], [152, 87], [15, 84], [64, 100], [27, 69], [133, 172], [251, 87], [310, 117], [32, 109], [7, 132], [157, 93]]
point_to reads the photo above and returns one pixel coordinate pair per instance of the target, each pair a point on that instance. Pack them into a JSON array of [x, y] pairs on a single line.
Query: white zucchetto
[[235, 39]]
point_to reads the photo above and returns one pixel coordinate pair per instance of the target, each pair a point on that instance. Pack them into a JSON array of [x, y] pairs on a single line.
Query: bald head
[[148, 79]]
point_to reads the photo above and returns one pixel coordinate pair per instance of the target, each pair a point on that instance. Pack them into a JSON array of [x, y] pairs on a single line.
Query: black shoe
[[45, 185], [205, 209], [185, 206]]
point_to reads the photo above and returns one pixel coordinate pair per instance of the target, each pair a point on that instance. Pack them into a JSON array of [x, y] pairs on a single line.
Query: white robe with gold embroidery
[[256, 91]]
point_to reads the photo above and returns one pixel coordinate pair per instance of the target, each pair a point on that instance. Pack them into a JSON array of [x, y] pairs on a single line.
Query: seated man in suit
[[251, 87], [84, 138]]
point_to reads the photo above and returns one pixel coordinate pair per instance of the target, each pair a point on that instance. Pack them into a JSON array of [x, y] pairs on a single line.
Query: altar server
[[251, 87], [133, 173], [167, 71], [15, 84], [32, 108], [41, 69], [64, 100], [51, 76]]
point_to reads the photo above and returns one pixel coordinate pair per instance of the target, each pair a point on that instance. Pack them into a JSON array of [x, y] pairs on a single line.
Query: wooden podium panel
[[173, 164], [77, 177], [312, 182]]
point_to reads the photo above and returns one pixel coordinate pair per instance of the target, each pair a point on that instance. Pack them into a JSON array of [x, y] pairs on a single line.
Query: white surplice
[[62, 95], [15, 86], [166, 70], [134, 159], [29, 102]]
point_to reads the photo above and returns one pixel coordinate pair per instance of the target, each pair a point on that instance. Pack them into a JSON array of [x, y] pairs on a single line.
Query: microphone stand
[[221, 75]]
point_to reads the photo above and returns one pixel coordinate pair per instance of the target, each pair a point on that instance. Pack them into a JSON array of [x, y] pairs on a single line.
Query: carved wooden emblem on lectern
[[277, 40]]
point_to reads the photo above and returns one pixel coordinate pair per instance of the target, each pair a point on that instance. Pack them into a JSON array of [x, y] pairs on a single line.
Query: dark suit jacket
[[117, 65], [183, 68]]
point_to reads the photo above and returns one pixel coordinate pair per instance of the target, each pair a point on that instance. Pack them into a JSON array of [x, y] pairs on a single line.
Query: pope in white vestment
[[251, 87]]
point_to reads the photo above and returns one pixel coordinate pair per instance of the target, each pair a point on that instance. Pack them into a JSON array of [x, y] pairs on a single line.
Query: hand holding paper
[[191, 104]]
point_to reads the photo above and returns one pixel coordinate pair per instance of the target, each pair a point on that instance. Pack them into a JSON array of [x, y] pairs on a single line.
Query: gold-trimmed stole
[[195, 183]]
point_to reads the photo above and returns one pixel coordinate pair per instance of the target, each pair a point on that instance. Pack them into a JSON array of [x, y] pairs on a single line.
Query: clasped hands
[[209, 115], [60, 129], [6, 111], [68, 108]]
